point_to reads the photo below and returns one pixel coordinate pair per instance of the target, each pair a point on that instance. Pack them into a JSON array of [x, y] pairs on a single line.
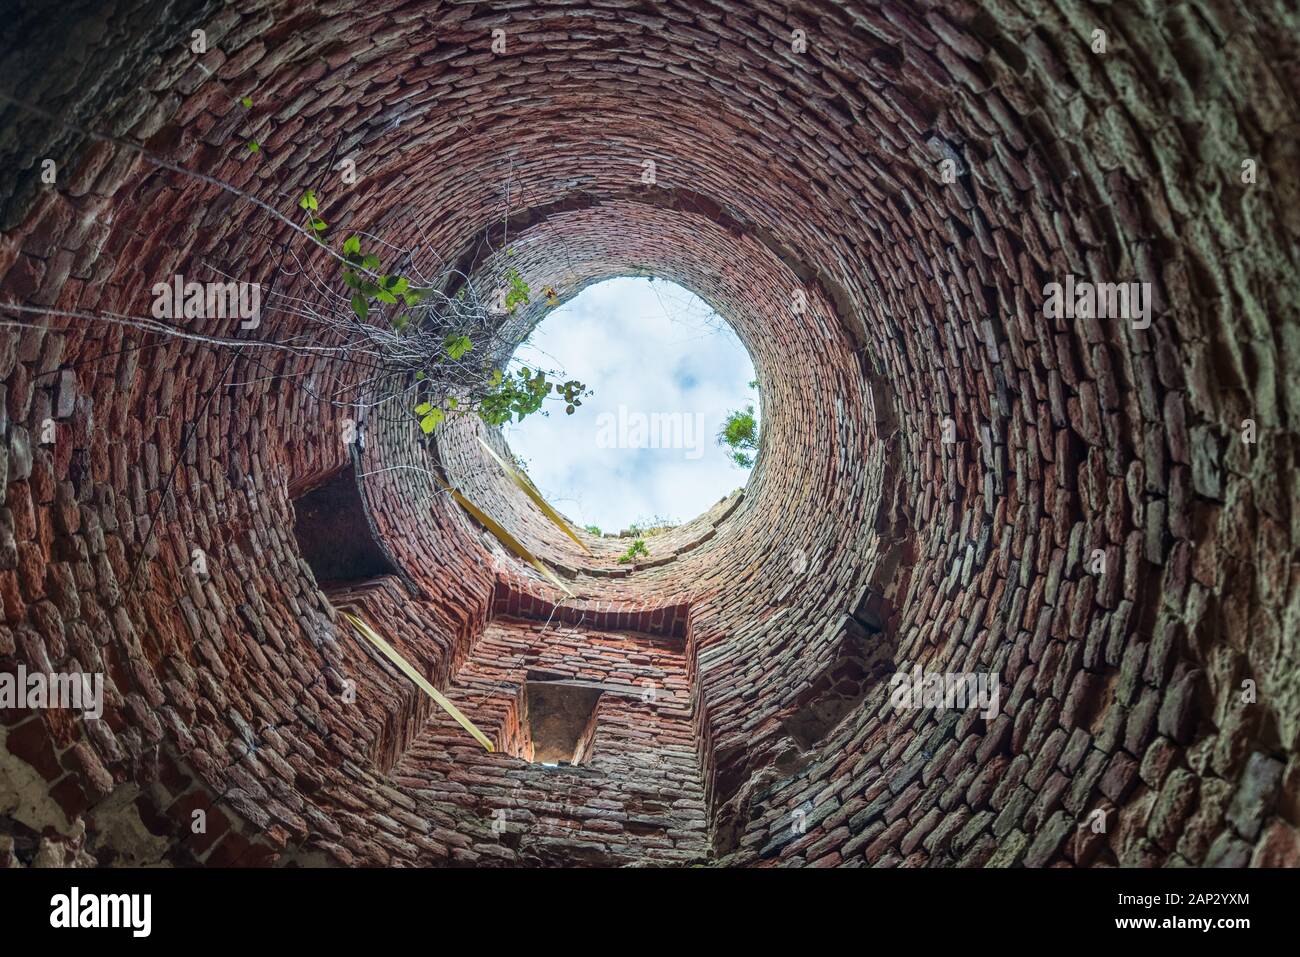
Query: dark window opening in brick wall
[[558, 720], [334, 532]]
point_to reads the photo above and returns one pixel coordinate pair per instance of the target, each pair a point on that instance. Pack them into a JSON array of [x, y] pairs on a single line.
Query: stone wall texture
[[1103, 517]]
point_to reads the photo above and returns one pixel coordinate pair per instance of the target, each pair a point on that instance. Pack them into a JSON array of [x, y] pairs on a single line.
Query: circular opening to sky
[[666, 372]]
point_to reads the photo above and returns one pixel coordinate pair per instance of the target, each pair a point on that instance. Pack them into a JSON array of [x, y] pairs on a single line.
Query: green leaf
[[385, 296], [371, 262], [254, 146], [352, 245], [432, 421], [457, 346], [496, 378], [360, 306], [308, 201], [318, 225], [247, 102], [420, 377], [519, 291], [423, 408]]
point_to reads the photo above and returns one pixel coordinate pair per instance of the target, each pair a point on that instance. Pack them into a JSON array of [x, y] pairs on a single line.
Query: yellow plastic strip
[[506, 538], [391, 654], [530, 490]]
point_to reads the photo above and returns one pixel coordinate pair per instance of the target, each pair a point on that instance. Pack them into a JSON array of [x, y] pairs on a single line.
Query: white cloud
[[651, 347]]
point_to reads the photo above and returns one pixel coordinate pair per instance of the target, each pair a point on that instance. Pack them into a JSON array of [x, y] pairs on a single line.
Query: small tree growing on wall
[[739, 435]]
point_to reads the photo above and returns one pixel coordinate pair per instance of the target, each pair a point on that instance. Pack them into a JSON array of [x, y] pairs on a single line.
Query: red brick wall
[[776, 170], [636, 795]]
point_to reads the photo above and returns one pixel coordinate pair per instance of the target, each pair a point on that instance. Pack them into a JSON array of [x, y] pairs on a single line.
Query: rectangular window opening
[[334, 532], [558, 721]]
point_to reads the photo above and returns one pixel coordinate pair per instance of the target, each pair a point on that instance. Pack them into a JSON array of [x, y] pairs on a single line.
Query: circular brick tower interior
[[1092, 518]]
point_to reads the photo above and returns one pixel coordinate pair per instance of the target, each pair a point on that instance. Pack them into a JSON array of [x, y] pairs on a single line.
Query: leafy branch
[[739, 435], [410, 327]]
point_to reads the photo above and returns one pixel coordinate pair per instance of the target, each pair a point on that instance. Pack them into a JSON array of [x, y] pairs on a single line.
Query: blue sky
[[649, 346]]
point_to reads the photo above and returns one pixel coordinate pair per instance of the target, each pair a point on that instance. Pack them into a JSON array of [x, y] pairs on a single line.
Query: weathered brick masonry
[[863, 543]]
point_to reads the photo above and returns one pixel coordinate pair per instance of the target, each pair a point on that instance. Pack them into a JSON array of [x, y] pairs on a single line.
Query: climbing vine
[[447, 346]]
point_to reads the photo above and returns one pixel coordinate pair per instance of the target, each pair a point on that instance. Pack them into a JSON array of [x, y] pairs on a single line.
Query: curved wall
[[943, 462]]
